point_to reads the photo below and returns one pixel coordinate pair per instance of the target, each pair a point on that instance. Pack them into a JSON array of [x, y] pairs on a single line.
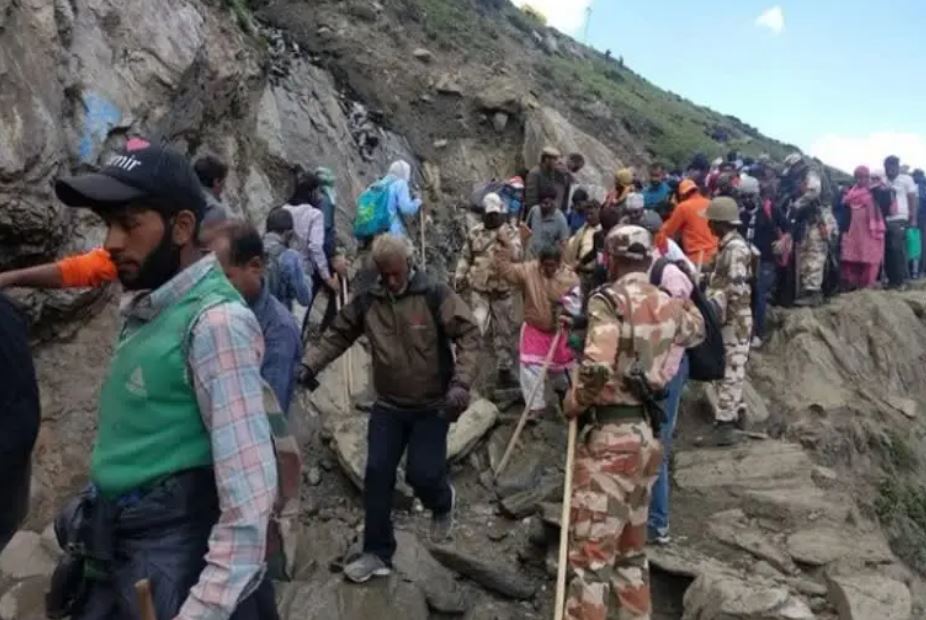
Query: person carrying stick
[[632, 328], [543, 282]]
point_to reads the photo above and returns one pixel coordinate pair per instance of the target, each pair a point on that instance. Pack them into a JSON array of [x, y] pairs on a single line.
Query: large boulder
[[350, 437], [547, 127], [26, 556], [864, 596], [712, 597], [336, 599]]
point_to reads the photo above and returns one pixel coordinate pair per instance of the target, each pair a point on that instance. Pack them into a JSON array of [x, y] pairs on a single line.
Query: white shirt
[[903, 185]]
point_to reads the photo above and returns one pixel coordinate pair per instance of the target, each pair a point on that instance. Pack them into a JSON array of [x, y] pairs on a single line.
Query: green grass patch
[[242, 13]]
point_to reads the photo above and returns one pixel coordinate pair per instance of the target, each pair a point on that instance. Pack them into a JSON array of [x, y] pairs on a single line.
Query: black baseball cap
[[141, 172]]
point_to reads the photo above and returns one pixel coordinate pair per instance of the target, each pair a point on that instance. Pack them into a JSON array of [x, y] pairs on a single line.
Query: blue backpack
[[373, 215]]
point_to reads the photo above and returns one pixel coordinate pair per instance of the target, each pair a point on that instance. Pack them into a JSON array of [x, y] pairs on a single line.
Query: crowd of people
[[625, 295]]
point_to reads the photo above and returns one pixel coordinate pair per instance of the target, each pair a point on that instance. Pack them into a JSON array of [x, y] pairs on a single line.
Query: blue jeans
[[765, 286], [659, 503]]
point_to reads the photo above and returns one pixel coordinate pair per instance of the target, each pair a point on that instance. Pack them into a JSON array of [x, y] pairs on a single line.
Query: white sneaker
[[756, 342], [365, 567]]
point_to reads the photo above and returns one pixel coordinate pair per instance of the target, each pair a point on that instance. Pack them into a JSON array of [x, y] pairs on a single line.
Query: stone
[[766, 465], [25, 600], [448, 85], [466, 432], [441, 144], [906, 406], [715, 596], [499, 121], [824, 476], [416, 564], [337, 599], [423, 55], [798, 505], [522, 473], [823, 545], [500, 96], [754, 542], [866, 596], [349, 438], [545, 126], [25, 556], [525, 503], [507, 581], [314, 476]]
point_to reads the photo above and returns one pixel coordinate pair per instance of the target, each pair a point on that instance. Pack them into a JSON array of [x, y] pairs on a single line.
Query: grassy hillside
[[671, 127]]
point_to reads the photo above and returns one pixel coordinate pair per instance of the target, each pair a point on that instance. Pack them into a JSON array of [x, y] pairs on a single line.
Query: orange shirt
[[698, 241], [92, 269]]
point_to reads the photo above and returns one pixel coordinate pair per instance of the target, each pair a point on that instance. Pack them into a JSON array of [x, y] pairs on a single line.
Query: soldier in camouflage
[[490, 293], [729, 288], [812, 224], [632, 329]]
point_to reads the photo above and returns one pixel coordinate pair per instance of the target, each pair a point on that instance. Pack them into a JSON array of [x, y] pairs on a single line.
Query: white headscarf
[[401, 170]]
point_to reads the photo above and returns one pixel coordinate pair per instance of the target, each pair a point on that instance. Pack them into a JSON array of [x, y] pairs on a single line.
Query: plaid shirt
[[224, 356]]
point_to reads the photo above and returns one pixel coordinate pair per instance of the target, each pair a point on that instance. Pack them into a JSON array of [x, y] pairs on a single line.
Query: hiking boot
[[442, 524], [366, 567], [726, 434], [810, 300]]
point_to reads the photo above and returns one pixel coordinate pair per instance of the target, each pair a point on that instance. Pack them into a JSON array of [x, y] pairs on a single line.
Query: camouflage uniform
[[618, 461], [814, 246], [729, 287], [490, 294]]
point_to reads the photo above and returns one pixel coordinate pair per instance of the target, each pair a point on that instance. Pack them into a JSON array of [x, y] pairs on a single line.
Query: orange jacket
[[92, 269], [698, 241]]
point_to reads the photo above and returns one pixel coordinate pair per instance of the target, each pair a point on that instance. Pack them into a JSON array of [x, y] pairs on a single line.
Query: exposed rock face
[[712, 597]]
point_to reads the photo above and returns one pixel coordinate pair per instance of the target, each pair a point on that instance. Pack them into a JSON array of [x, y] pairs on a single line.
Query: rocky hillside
[[820, 515]]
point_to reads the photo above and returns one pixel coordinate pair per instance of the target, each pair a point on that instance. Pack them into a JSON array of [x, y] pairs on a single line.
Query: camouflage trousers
[[736, 342], [613, 474], [495, 314], [812, 255]]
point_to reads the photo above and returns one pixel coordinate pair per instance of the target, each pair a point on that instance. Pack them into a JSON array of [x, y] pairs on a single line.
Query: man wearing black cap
[[183, 467]]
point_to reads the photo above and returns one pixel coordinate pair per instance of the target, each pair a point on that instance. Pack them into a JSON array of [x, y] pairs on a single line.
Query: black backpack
[[435, 295], [707, 361]]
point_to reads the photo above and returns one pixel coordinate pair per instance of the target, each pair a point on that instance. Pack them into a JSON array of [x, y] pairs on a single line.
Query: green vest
[[150, 425]]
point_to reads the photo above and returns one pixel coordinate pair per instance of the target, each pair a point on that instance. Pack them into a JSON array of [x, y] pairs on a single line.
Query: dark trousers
[[895, 253], [318, 289], [14, 489], [765, 288], [163, 537], [424, 433]]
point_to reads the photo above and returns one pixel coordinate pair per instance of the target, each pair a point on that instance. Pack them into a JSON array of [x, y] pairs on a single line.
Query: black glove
[[307, 378], [457, 401]]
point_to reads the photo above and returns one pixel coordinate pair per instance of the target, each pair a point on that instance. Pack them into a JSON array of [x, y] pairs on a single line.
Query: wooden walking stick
[[564, 523], [527, 404], [345, 292], [145, 602], [345, 361], [424, 247]]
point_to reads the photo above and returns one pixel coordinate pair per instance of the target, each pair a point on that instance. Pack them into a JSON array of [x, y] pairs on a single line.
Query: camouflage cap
[[634, 242], [724, 209]]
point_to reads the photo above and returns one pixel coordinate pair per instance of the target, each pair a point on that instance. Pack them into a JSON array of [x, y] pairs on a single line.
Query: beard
[[159, 266]]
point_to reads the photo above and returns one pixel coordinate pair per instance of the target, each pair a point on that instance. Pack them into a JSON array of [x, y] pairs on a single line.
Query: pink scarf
[[858, 198]]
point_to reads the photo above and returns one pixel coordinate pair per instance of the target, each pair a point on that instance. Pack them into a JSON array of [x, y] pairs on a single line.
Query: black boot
[[726, 434]]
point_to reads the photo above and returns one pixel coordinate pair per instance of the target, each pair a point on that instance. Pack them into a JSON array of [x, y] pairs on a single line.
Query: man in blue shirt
[[284, 276], [239, 248], [658, 191]]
